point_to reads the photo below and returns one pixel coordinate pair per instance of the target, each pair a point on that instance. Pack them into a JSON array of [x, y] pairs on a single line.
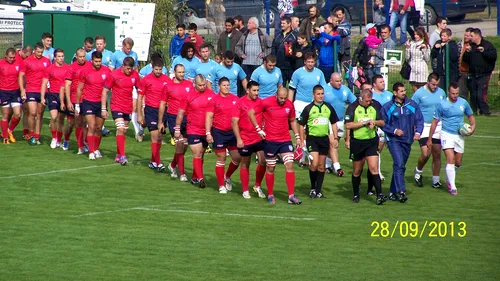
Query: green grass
[[190, 235]]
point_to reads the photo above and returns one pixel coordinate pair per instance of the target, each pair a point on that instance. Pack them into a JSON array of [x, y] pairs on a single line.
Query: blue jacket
[[325, 45], [176, 45], [406, 117]]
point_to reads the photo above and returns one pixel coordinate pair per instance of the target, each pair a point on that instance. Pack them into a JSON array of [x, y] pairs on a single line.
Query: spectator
[[387, 43], [295, 23], [283, 49], [323, 41], [194, 38], [310, 23], [418, 55], [440, 52], [362, 56], [436, 34], [253, 46], [239, 23], [481, 56], [463, 81], [285, 9], [378, 13], [228, 38], [344, 30], [302, 47], [177, 41], [398, 14]]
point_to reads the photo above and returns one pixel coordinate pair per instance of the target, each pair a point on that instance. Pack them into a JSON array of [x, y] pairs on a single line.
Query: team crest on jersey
[[103, 77], [17, 68], [164, 83], [462, 108], [209, 98], [44, 64], [235, 72], [277, 75], [287, 110], [317, 77], [133, 80], [234, 102], [441, 97], [290, 147], [187, 89]]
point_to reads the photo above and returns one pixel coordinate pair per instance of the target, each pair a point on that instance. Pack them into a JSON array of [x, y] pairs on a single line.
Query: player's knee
[[313, 167]]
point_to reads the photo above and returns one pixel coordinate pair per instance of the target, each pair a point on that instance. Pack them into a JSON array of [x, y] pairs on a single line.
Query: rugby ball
[[465, 129]]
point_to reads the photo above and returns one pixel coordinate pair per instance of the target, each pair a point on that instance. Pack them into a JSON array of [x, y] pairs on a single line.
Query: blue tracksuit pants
[[400, 152]]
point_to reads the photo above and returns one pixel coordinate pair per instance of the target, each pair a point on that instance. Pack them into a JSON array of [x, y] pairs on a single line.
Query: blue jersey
[[268, 81], [428, 101], [148, 69], [49, 54], [452, 114], [303, 82], [383, 97], [106, 57], [188, 65], [233, 73], [338, 98], [207, 69], [118, 57]]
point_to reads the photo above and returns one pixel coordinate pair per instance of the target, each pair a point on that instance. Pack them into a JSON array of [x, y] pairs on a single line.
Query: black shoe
[[195, 181], [370, 193], [312, 194], [418, 179], [402, 197], [329, 170], [381, 199], [437, 185], [202, 183], [355, 199], [320, 195], [393, 197]]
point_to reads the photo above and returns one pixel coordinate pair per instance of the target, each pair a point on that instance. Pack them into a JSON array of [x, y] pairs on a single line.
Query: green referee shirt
[[357, 113], [317, 119]]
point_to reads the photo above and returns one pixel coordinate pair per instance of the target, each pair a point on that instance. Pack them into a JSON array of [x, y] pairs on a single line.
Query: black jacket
[[278, 49], [440, 55], [361, 55], [299, 62], [481, 63]]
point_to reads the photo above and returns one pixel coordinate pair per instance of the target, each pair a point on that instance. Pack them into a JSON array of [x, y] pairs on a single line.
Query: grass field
[[64, 217]]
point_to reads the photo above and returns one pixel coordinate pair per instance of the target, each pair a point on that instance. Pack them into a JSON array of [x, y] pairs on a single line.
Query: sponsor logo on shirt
[[287, 110]]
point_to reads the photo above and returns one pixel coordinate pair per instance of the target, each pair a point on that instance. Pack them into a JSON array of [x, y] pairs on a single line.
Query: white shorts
[[427, 129], [340, 129], [134, 93], [452, 141], [381, 135], [299, 107]]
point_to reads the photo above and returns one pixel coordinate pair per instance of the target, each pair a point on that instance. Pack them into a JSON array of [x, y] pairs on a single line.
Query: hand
[[468, 48], [243, 56], [161, 127], [104, 114], [399, 132], [300, 143], [77, 109], [239, 143], [298, 54], [480, 49], [429, 143], [416, 136], [347, 144], [177, 135], [402, 12], [140, 119], [437, 46], [371, 124], [210, 139], [260, 55], [282, 14], [381, 6], [63, 107], [335, 143], [262, 134], [42, 101], [70, 106], [472, 130]]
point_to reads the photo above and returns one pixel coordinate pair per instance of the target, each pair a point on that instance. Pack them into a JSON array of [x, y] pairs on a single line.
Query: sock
[[260, 171], [90, 142], [120, 145], [450, 173], [245, 178], [290, 182], [320, 176], [418, 171], [135, 123], [26, 132], [173, 164], [153, 152], [328, 163], [54, 134], [219, 172], [198, 167], [98, 138], [356, 181], [435, 179], [59, 135], [5, 128], [67, 136], [270, 183], [79, 137], [369, 177], [313, 178], [180, 163], [194, 175], [158, 154], [379, 160], [37, 136], [336, 166], [13, 123], [377, 182], [230, 170]]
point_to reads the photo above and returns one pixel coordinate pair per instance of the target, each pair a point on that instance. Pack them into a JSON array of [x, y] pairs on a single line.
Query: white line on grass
[[135, 208], [491, 163], [486, 137], [58, 171]]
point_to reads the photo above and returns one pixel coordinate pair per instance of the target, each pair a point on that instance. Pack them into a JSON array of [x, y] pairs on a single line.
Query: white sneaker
[[81, 151], [382, 178], [246, 195], [53, 144], [222, 190], [229, 184], [91, 156], [259, 191], [173, 172], [97, 154], [184, 178]]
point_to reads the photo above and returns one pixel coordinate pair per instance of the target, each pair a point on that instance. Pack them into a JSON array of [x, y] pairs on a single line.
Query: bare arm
[[140, 110], [432, 130], [104, 100], [20, 81], [161, 112], [209, 118], [43, 89], [236, 131], [293, 125], [61, 98], [472, 122]]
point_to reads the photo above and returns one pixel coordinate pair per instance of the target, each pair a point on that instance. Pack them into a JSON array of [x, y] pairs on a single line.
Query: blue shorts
[[271, 149], [223, 140], [119, 114], [33, 97], [196, 139], [151, 116], [171, 124], [12, 98], [52, 101], [91, 108], [247, 150]]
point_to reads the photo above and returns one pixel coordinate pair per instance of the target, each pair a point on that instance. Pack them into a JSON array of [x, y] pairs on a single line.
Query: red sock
[[13, 123], [245, 178], [54, 133], [97, 144], [219, 172], [198, 167], [270, 183], [290, 182], [180, 163], [230, 170], [59, 135], [37, 136], [158, 149], [153, 152], [174, 163], [79, 137], [90, 142], [5, 128], [260, 171], [26, 132], [194, 176], [120, 145]]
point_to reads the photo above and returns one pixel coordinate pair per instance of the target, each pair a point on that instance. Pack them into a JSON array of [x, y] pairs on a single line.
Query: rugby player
[[10, 96], [232, 71], [187, 59], [268, 76], [48, 51], [21, 55], [100, 45]]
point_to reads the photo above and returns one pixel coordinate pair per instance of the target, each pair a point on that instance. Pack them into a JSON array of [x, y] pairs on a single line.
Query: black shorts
[[271, 149], [10, 98], [33, 97], [223, 140], [53, 102], [318, 144], [171, 124], [196, 139], [91, 108], [119, 114], [423, 141], [363, 148], [151, 116], [68, 113], [247, 150]]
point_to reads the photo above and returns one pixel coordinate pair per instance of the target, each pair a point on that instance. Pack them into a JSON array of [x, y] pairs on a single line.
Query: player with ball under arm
[[451, 112]]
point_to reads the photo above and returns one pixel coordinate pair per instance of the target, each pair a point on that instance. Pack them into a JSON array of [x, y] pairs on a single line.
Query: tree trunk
[[217, 13]]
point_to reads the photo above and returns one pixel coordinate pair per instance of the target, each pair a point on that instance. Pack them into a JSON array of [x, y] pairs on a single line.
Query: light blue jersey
[[119, 56], [451, 114], [207, 69], [383, 97], [49, 54], [338, 98], [148, 69], [303, 82], [233, 73], [268, 81], [106, 57], [428, 101], [188, 65]]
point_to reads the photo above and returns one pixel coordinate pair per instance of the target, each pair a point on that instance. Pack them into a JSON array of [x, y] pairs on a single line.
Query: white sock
[[418, 171], [435, 179], [450, 173], [135, 123], [379, 159], [336, 166], [328, 162]]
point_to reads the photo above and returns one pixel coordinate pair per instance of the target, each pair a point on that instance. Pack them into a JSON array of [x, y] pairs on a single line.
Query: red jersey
[[56, 75], [9, 73], [248, 132], [222, 108], [276, 119], [195, 106], [73, 75], [153, 89], [175, 93], [93, 81], [121, 87], [19, 59], [34, 69]]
